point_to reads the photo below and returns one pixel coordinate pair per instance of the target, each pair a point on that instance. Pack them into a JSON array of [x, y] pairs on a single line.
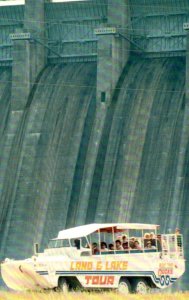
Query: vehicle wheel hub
[[141, 288], [123, 288]]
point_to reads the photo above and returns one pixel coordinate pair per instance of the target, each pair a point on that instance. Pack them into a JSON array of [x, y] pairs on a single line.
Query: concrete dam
[[93, 124]]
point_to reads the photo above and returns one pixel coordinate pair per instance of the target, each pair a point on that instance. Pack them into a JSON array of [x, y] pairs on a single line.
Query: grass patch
[[89, 296]]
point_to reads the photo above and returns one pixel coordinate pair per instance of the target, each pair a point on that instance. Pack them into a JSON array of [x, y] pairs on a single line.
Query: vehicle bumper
[[19, 276]]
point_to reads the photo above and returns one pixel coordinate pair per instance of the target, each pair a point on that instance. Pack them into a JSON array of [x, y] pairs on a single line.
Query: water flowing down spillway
[[135, 169]]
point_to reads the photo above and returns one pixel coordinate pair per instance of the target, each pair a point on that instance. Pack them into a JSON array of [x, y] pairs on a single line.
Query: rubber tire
[[124, 287], [63, 286], [140, 286]]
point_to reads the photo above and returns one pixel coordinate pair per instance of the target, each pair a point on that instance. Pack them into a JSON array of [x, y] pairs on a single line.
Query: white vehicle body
[[159, 266]]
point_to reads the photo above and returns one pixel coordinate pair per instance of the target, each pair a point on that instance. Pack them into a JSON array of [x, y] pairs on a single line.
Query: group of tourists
[[124, 243], [150, 241]]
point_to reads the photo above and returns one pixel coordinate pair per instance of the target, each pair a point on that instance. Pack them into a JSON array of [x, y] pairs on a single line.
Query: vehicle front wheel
[[124, 287], [63, 286], [140, 286]]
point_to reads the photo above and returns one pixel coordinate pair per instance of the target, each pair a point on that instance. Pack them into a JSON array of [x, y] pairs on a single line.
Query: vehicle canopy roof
[[84, 230]]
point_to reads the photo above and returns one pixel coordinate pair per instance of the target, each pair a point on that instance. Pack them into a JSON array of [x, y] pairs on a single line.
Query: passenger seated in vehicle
[[149, 245], [133, 239], [124, 239], [111, 247], [137, 245], [103, 246], [125, 246], [131, 243], [177, 231], [118, 245], [146, 239], [77, 244], [95, 249], [153, 239]]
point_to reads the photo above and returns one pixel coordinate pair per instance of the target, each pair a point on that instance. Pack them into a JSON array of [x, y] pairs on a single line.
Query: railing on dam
[[155, 28]]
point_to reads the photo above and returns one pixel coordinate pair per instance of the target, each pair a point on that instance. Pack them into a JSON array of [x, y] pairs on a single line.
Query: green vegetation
[[89, 296]]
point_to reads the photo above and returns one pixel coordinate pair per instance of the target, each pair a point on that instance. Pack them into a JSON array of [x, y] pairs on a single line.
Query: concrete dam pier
[[94, 110]]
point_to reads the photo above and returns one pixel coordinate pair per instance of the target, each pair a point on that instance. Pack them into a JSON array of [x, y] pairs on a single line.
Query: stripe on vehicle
[[162, 280]]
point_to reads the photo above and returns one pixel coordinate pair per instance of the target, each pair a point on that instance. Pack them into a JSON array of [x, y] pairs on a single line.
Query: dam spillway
[[135, 163], [68, 159], [44, 153]]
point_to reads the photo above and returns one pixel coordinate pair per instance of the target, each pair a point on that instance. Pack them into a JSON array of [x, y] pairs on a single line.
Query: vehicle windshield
[[78, 243], [58, 244]]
